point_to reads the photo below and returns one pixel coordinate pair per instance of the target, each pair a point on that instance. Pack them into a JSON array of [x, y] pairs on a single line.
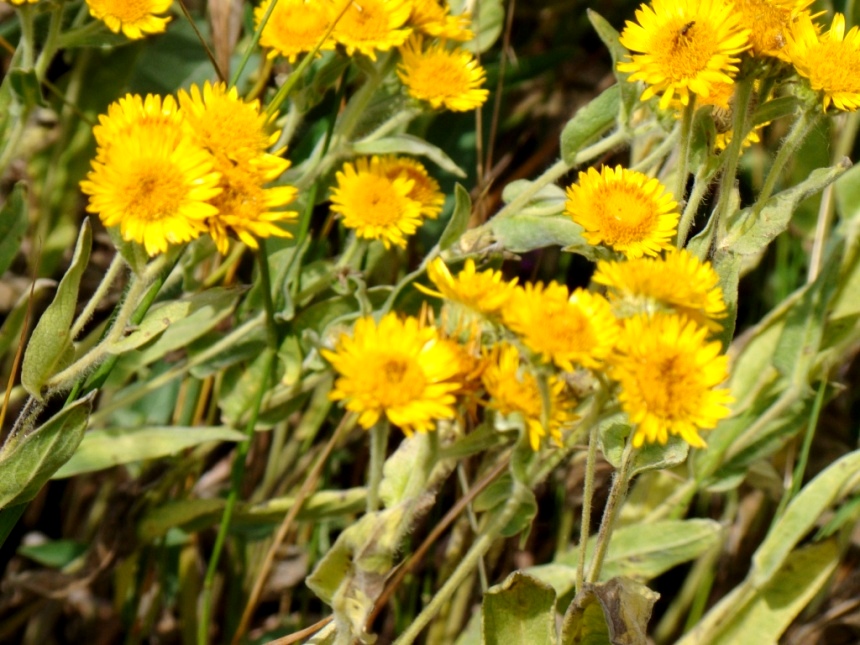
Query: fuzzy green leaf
[[50, 347], [13, 225], [590, 122], [459, 221], [410, 145], [613, 613], [519, 610]]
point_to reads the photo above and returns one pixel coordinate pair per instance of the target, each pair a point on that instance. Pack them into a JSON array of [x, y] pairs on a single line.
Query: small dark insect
[[686, 28]]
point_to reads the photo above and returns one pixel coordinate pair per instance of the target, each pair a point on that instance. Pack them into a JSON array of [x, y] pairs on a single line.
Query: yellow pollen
[[153, 194]]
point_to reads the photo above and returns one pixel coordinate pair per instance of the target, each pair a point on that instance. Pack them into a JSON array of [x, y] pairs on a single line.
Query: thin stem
[[467, 565], [378, 445], [237, 474], [661, 151], [345, 425], [700, 187], [400, 118], [28, 37], [587, 499], [113, 270], [473, 522], [808, 118], [49, 47], [684, 152], [616, 496]]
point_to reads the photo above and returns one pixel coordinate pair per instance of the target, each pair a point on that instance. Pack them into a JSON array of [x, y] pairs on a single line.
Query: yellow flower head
[[247, 208], [683, 47], [514, 389], [295, 26], [623, 209], [434, 19], [769, 22], [398, 369], [371, 25], [567, 329], [155, 184], [375, 206], [669, 373], [831, 61], [20, 2], [230, 128], [134, 18], [679, 282], [486, 292], [425, 189], [131, 113], [449, 78]]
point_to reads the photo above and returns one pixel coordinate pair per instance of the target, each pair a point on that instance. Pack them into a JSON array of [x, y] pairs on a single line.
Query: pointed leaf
[[590, 122], [13, 225], [410, 145], [49, 349], [619, 53], [459, 222], [26, 463]]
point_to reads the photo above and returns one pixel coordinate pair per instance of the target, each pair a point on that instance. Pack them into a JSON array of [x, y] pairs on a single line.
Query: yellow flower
[[425, 189], [155, 184], [229, 127], [831, 62], [769, 22], [486, 292], [683, 47], [20, 2], [669, 373], [136, 19], [375, 206], [398, 369], [623, 209], [434, 19], [295, 26], [247, 208], [680, 281], [514, 389], [371, 25], [442, 77], [567, 329], [132, 112]]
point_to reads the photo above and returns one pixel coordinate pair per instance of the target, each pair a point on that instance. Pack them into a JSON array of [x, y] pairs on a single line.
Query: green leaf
[[13, 225], [26, 87], [405, 473], [520, 610], [651, 456], [459, 222], [179, 323], [487, 22], [133, 253], [613, 613], [761, 615], [13, 325], [55, 554], [801, 515], [26, 463], [775, 109], [521, 233], [590, 122], [50, 347], [493, 498], [102, 449], [619, 53], [410, 145]]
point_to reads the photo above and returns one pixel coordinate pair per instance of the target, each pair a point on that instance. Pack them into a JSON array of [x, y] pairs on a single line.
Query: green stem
[[400, 118], [28, 36], [732, 156], [587, 498], [684, 152], [616, 496], [659, 153], [378, 446], [700, 188], [110, 276], [467, 565], [49, 47]]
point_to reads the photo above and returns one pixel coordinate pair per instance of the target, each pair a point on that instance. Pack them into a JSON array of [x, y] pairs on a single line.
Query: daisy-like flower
[[669, 376], [399, 369], [434, 19], [769, 22], [683, 47], [486, 292], [567, 329], [229, 127], [155, 184], [369, 26], [449, 78], [831, 61], [374, 205], [624, 209], [295, 27], [131, 113], [247, 208], [134, 19], [679, 282], [514, 389], [425, 189]]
